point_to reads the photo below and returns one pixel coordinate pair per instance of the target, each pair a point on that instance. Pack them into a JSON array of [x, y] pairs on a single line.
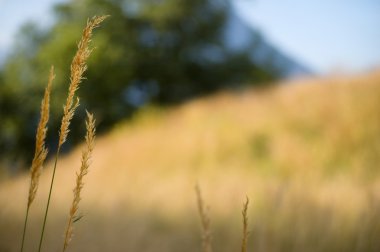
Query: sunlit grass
[[306, 154]]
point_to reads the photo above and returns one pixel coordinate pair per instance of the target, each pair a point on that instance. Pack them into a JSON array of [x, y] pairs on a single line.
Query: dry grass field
[[306, 153]]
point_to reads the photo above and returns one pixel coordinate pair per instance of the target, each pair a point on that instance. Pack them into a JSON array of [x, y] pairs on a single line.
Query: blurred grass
[[306, 153]]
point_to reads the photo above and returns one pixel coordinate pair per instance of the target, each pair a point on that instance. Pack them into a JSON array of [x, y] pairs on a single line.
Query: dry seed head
[[245, 225], [85, 163], [205, 221], [78, 67], [40, 149]]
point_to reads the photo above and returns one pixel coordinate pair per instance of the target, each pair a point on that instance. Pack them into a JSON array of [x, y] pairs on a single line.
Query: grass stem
[[24, 232], [48, 202]]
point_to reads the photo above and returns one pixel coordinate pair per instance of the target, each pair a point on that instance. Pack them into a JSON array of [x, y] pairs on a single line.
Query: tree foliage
[[149, 51]]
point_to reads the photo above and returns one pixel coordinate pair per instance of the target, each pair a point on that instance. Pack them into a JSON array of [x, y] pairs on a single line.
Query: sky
[[324, 35], [14, 13]]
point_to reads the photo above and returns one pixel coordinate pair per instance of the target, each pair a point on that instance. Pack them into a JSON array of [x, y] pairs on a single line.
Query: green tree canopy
[[149, 51]]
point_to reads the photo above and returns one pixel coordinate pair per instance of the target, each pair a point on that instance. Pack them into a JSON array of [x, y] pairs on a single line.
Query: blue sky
[[325, 35], [14, 13]]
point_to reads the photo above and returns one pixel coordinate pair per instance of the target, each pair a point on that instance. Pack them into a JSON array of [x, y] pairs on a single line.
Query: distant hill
[[306, 155]]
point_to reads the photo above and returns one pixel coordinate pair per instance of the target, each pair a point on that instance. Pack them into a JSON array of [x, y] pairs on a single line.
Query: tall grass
[[78, 68], [205, 221], [245, 226], [86, 156], [311, 163], [40, 151]]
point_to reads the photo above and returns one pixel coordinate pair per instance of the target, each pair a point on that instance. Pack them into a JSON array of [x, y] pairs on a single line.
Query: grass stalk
[[205, 221], [77, 69], [40, 151], [48, 202], [86, 156], [24, 232], [245, 226]]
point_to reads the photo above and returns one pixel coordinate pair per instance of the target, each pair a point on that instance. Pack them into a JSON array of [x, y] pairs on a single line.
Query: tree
[[149, 51]]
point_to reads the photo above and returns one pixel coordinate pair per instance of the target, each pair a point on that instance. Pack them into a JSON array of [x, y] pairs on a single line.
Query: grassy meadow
[[305, 152]]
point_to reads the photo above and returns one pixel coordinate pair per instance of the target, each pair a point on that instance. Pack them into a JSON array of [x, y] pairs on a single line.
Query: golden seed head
[[85, 164], [40, 149], [245, 225], [205, 221], [78, 67]]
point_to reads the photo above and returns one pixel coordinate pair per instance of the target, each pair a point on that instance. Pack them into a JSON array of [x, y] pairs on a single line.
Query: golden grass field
[[305, 152]]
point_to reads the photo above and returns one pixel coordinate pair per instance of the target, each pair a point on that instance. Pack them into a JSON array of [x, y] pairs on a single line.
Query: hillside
[[305, 153]]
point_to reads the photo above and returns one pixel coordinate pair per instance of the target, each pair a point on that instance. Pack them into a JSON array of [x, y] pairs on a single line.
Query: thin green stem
[[24, 232], [48, 202]]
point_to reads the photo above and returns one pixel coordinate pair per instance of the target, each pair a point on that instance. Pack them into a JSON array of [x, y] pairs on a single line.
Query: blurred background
[[166, 52], [276, 100]]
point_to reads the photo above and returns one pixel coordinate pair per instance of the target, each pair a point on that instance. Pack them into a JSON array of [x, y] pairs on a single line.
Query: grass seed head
[[78, 67], [205, 221], [40, 149], [85, 164]]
